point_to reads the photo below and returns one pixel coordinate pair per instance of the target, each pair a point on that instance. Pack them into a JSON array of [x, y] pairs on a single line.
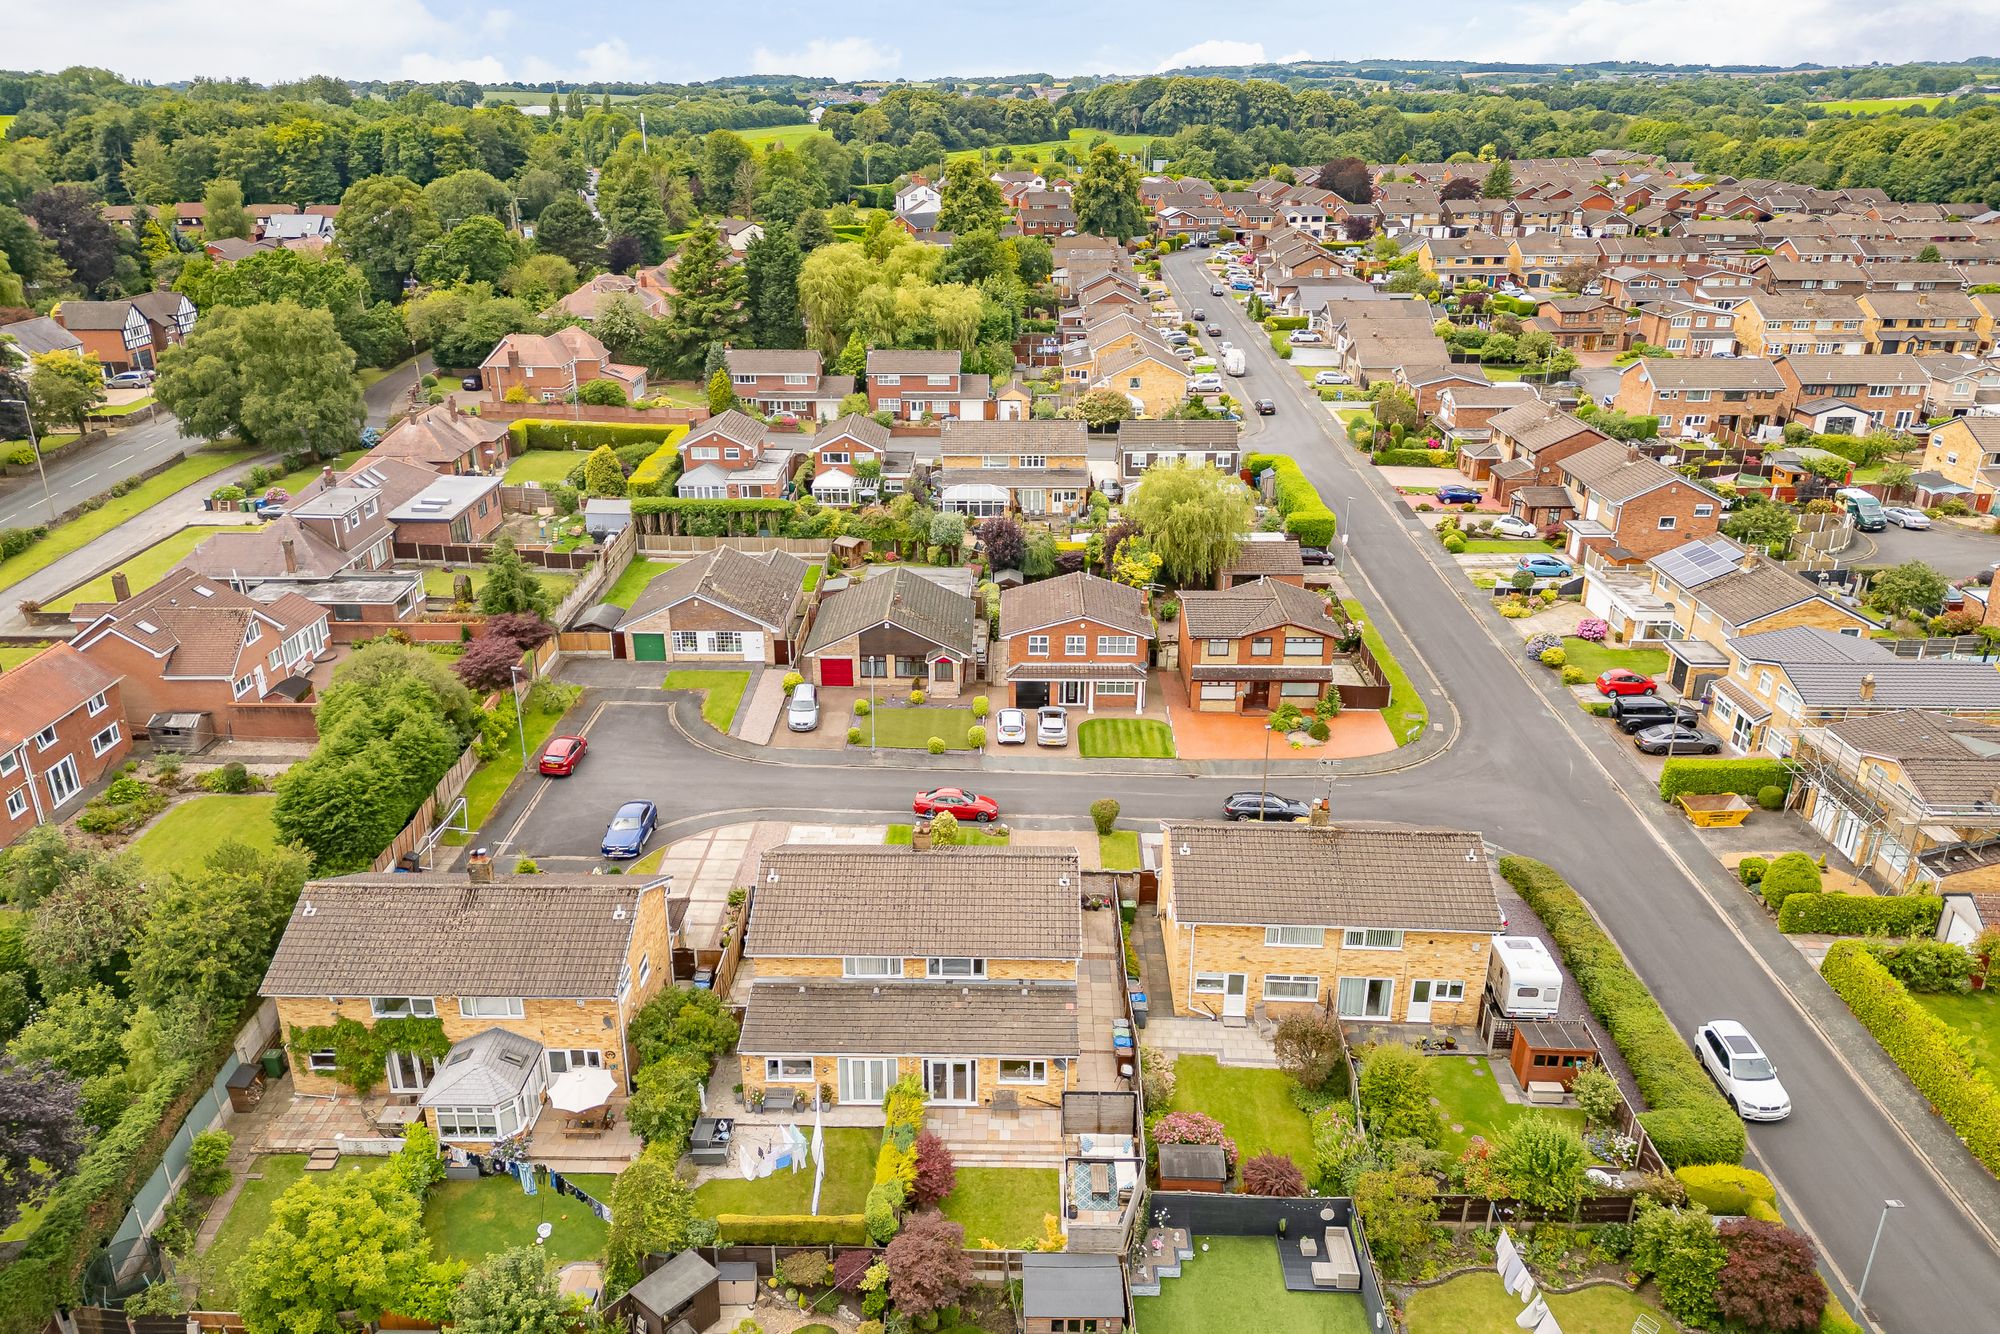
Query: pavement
[[388, 395]]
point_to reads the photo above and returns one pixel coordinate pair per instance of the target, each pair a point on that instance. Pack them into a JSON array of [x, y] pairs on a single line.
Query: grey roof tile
[[910, 1018]]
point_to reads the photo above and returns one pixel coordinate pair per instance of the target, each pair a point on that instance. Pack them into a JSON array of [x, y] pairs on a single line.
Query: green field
[[1078, 143], [786, 136], [5, 121], [149, 566], [1870, 106], [183, 837]]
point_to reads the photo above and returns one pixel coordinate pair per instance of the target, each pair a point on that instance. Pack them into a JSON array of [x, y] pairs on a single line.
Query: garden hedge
[[1689, 1122], [1306, 515], [553, 433], [1929, 1051], [1860, 915], [790, 1230], [1702, 777], [1789, 874], [656, 474], [1726, 1189], [1413, 458]]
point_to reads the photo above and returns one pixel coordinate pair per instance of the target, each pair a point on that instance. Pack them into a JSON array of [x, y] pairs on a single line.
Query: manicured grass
[[1976, 1014], [633, 582], [1125, 739], [547, 466], [969, 836], [1477, 1304], [723, 691], [1237, 1284], [251, 1210], [1507, 546], [850, 1170], [812, 578], [490, 781], [1598, 658], [784, 136], [1870, 106], [438, 581], [1118, 850], [87, 528], [470, 1220], [1078, 143], [13, 655], [913, 728], [122, 409], [1407, 715], [1003, 1205], [1254, 1106], [1471, 1101], [185, 834], [149, 566]]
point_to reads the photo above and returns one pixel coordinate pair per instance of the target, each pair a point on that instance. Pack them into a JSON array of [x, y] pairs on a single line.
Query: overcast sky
[[584, 40]]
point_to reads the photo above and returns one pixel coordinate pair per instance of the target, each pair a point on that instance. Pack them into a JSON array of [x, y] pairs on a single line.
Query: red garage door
[[836, 671]]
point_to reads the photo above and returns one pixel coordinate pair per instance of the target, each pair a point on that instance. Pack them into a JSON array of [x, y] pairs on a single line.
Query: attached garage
[[836, 671], [649, 648], [1030, 694]]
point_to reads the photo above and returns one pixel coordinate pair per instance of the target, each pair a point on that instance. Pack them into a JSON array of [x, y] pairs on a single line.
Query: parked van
[[1232, 361], [1865, 509], [1523, 978]]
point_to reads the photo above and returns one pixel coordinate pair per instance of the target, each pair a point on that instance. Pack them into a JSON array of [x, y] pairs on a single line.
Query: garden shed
[[1061, 1292], [1197, 1167], [683, 1292], [1550, 1053]]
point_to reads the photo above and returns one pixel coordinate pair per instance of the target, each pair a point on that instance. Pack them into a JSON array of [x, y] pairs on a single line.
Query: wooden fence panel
[[587, 412], [431, 813]]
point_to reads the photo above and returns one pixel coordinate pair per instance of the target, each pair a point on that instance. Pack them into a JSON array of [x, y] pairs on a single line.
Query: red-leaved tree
[[1273, 1174], [936, 1173], [1770, 1282], [928, 1266], [1006, 545], [523, 628], [849, 1267], [486, 663]]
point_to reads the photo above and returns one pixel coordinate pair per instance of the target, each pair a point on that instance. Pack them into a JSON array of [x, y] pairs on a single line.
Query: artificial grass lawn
[[438, 581], [547, 466], [722, 691], [1125, 739], [184, 835], [295, 482], [1476, 1303], [86, 528], [470, 1220], [251, 1210], [1507, 546], [1471, 1101], [1118, 850], [1407, 714], [633, 582], [969, 835], [490, 781], [13, 655], [850, 1170], [1003, 1205], [1237, 1284], [1598, 658], [1976, 1014], [1254, 1106], [912, 728], [149, 566]]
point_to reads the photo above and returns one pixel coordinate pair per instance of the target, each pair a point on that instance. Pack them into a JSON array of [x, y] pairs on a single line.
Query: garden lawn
[[86, 528], [812, 577], [13, 655], [1125, 739], [122, 409], [1118, 850], [295, 482], [1254, 1106], [912, 728], [1407, 714], [1598, 658], [490, 781], [181, 840], [438, 581], [149, 566], [1477, 1304], [850, 1170], [969, 836], [1507, 546], [251, 1210], [633, 582], [721, 692], [1003, 1205], [470, 1220], [1976, 1014], [1237, 1284], [1472, 1102], [547, 466]]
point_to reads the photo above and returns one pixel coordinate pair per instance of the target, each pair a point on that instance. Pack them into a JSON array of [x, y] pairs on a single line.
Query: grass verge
[[1407, 714], [149, 566], [721, 692], [490, 781]]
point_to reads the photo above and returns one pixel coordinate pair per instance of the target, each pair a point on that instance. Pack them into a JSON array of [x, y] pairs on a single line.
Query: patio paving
[[705, 867], [1355, 733]]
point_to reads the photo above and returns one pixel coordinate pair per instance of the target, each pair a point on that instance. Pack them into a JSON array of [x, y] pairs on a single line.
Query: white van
[[1523, 978]]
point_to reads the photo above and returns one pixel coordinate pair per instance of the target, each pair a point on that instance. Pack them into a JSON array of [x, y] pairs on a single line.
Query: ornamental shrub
[[1318, 730], [793, 680], [1598, 1094], [1928, 966], [1104, 815], [1455, 544], [1681, 1250], [878, 1215], [1306, 515], [1859, 914], [916, 696], [1696, 775], [1539, 644], [1194, 1128], [1338, 1144], [208, 1162], [1273, 1174], [1310, 1047], [1542, 1162], [1722, 1188], [936, 745], [1553, 657], [1771, 798], [975, 737], [1396, 1096], [1593, 629], [861, 708], [1751, 869], [1791, 873], [853, 736], [1771, 1280], [936, 1174]]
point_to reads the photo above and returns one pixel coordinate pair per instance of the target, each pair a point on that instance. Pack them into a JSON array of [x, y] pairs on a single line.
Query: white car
[[1329, 377], [129, 380], [1905, 517], [1012, 727], [1745, 1073], [1051, 726], [1305, 336], [1509, 526], [1205, 384]]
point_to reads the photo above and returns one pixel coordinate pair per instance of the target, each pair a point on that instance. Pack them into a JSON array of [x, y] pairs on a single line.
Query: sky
[[588, 40]]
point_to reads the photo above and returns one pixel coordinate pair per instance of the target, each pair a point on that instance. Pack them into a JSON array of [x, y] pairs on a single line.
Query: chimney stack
[[121, 587], [1632, 453], [479, 866], [1867, 686], [326, 477], [291, 556]]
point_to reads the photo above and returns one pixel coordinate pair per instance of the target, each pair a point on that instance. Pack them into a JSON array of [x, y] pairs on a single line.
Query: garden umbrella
[[581, 1090]]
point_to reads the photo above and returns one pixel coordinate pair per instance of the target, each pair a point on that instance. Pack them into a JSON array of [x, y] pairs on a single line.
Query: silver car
[[1011, 729], [1905, 517], [1051, 726], [802, 714]]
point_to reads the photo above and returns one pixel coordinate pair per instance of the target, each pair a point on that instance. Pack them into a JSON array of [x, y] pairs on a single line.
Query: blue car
[[630, 828], [1547, 567], [1453, 494]]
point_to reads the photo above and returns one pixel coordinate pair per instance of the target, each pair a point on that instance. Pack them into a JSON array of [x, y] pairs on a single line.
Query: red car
[[560, 757], [962, 804], [1624, 681]]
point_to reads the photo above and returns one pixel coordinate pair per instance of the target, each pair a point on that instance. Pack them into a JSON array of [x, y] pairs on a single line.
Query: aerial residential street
[[77, 474]]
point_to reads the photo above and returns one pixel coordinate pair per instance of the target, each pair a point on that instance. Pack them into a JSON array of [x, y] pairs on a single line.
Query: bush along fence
[[1792, 888], [1306, 515], [1703, 777]]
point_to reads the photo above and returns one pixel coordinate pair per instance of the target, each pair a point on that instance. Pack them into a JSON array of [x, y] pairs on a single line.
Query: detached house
[[61, 729], [734, 457], [1704, 395], [1259, 645], [838, 453], [1380, 924], [786, 380], [1630, 507], [910, 386], [1026, 467], [444, 440], [724, 604], [1078, 641], [896, 630], [1699, 595], [114, 332], [549, 367]]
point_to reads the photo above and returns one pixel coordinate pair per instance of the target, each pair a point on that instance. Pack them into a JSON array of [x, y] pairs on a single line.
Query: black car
[[1675, 739], [470, 382], [1263, 806], [1265, 407], [1317, 556], [1197, 316], [1214, 330], [1632, 712]]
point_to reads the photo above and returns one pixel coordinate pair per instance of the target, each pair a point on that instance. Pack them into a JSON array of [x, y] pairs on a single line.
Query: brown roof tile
[[764, 587], [46, 687], [961, 1019], [1249, 608], [1073, 597]]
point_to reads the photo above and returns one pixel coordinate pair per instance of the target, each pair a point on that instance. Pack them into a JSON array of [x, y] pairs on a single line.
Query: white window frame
[[1357, 938], [1668, 522], [687, 641], [45, 738], [490, 1007], [9, 762], [1075, 646], [775, 1070], [17, 803], [856, 966], [574, 1058], [1445, 989], [414, 1007], [1038, 646], [1117, 646], [955, 967], [1366, 984], [1306, 985], [1210, 984], [97, 704], [64, 782], [1038, 1070], [1304, 646], [322, 1062], [1294, 937], [104, 741]]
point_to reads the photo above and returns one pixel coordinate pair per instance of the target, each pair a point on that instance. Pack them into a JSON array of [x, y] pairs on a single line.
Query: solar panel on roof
[[1697, 563]]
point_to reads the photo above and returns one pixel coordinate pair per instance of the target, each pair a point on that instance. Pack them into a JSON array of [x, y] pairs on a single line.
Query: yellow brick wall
[[1955, 438], [1817, 614], [913, 968], [1438, 956], [592, 1024], [826, 1070]]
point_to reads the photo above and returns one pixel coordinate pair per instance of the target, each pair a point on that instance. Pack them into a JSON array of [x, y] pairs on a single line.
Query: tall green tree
[[1195, 518], [208, 934], [479, 250], [1499, 183], [629, 198], [64, 388], [275, 375], [510, 585], [707, 301], [384, 223], [78, 931], [514, 1292], [652, 1209], [724, 154], [721, 392], [223, 214], [771, 276], [971, 198], [1106, 198], [465, 195], [566, 228]]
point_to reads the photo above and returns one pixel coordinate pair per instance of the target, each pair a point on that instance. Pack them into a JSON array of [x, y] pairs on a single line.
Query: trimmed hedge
[[1413, 458], [1704, 777], [790, 1230], [1689, 1122], [1725, 1189], [659, 469], [1790, 874], [553, 433], [1860, 915], [1306, 515], [1927, 1049]]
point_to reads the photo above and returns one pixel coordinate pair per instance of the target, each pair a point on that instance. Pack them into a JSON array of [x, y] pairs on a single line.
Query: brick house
[[1686, 327], [724, 605], [588, 300], [464, 509], [1076, 640], [837, 453], [910, 386], [1963, 456], [170, 316], [1704, 395], [1708, 591], [1921, 322], [114, 332], [1581, 324], [896, 630], [875, 964], [1465, 413], [527, 978], [1213, 444], [736, 457], [1630, 507], [1027, 467], [1852, 395], [1256, 646], [1774, 323], [1529, 444], [1487, 259], [62, 726], [444, 440], [1272, 556], [549, 367], [786, 380], [1382, 924]]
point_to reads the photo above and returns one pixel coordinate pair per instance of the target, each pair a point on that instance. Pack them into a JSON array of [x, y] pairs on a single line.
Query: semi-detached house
[[1630, 507], [61, 729]]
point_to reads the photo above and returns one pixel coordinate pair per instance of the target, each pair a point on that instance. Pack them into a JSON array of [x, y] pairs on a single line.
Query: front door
[[408, 1072], [1235, 995], [1073, 693], [866, 1078], [951, 1081], [1420, 1002]]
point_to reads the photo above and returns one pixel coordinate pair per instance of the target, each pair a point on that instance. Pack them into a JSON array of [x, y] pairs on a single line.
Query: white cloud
[[1777, 32], [841, 58], [1215, 51], [425, 67]]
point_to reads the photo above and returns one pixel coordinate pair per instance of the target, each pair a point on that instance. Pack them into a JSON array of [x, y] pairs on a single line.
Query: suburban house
[[1211, 443], [587, 301], [876, 964], [910, 386], [462, 509], [1581, 323], [1026, 467], [1391, 925], [1466, 413], [114, 332], [838, 453], [169, 316], [550, 367], [786, 380], [1529, 443], [736, 457], [1076, 640], [1630, 507], [1959, 384], [62, 726], [40, 335], [336, 526], [1475, 256], [1691, 327], [1920, 322], [1259, 645], [444, 440], [1696, 396], [1965, 453], [1273, 556], [896, 631], [193, 645], [1853, 395], [1772, 324], [519, 979], [723, 604], [1152, 379]]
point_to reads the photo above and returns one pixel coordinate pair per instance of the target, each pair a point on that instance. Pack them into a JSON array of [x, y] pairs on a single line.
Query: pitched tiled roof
[[45, 688], [1210, 435], [772, 361], [438, 935], [1873, 368], [1831, 670], [908, 601], [865, 429], [1762, 589], [41, 334], [195, 623], [1012, 437], [1712, 373], [1071, 597], [1910, 733], [560, 348], [1249, 608], [860, 1018], [75, 315], [438, 436], [764, 587], [817, 900], [1254, 557], [1331, 876], [900, 361], [735, 424], [1615, 472], [1536, 426]]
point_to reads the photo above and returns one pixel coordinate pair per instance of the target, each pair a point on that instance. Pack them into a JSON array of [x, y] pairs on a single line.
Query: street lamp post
[[520, 722], [1264, 792], [1861, 1292], [35, 449]]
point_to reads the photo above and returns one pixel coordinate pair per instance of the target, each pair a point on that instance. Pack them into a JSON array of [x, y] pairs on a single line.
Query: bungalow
[[722, 605], [444, 440], [1026, 467], [1259, 645], [39, 335], [1076, 640], [735, 457], [896, 630], [786, 381], [62, 729]]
